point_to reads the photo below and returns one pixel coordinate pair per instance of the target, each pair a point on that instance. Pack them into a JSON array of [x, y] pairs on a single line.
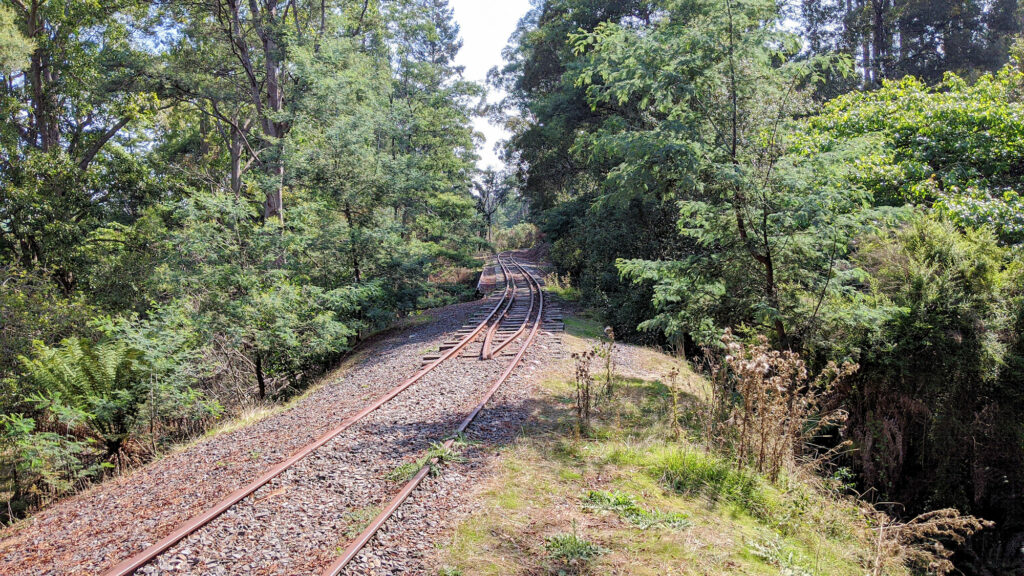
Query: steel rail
[[485, 349], [140, 559], [522, 327], [366, 535]]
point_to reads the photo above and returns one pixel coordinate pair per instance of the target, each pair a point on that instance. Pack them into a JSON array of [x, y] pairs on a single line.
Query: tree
[[491, 192], [756, 240], [892, 38], [148, 150]]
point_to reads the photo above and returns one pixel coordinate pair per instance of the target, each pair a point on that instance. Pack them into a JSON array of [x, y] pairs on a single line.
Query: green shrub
[[95, 385], [38, 466]]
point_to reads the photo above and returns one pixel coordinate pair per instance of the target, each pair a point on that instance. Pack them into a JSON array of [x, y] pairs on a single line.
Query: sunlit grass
[[654, 504]]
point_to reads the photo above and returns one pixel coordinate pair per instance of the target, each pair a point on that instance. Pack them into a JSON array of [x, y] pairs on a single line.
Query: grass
[[357, 520], [583, 327], [560, 287], [652, 504], [694, 473]]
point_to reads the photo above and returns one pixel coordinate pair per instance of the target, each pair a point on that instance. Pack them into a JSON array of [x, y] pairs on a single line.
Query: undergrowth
[[668, 485]]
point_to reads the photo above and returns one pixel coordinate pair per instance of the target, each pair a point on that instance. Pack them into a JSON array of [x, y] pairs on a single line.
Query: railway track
[[506, 326]]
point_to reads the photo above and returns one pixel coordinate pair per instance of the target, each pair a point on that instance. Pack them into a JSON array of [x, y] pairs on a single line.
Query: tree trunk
[[352, 242], [274, 205], [273, 128], [260, 381], [880, 42], [236, 162], [45, 128]]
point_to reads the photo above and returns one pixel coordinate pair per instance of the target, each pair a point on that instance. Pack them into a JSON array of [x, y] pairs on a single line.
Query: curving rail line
[[485, 350], [140, 559], [536, 295]]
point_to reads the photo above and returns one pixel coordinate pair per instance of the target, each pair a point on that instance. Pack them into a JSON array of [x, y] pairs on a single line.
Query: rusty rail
[[366, 535], [485, 349], [140, 559], [522, 326]]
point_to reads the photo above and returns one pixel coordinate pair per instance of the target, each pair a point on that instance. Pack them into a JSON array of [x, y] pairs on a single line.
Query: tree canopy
[[702, 167], [204, 203]]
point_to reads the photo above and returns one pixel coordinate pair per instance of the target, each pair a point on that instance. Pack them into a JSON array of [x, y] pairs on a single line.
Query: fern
[[96, 385]]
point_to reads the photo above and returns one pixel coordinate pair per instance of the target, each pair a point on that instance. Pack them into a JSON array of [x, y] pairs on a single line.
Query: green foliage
[[207, 216], [771, 552], [14, 48], [932, 364], [33, 309], [434, 458], [955, 146], [522, 236], [676, 155], [37, 466], [570, 550], [95, 385], [625, 506]]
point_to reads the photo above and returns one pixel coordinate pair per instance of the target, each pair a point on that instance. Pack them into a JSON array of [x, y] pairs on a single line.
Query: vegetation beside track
[[632, 497]]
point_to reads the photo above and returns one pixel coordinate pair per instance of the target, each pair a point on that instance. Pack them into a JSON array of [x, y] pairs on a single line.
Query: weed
[[606, 351], [584, 384], [437, 455], [562, 287], [358, 519], [570, 550], [771, 552], [626, 507], [460, 440], [778, 398], [614, 501], [672, 383], [404, 472], [923, 543], [842, 480], [449, 571]]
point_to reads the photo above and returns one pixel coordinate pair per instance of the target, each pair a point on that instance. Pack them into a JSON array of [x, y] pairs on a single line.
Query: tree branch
[[93, 150]]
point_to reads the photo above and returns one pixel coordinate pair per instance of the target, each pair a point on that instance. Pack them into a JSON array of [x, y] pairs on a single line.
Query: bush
[[933, 341], [92, 389], [38, 466]]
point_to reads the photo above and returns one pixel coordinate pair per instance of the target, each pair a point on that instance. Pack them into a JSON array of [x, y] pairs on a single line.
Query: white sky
[[485, 26]]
